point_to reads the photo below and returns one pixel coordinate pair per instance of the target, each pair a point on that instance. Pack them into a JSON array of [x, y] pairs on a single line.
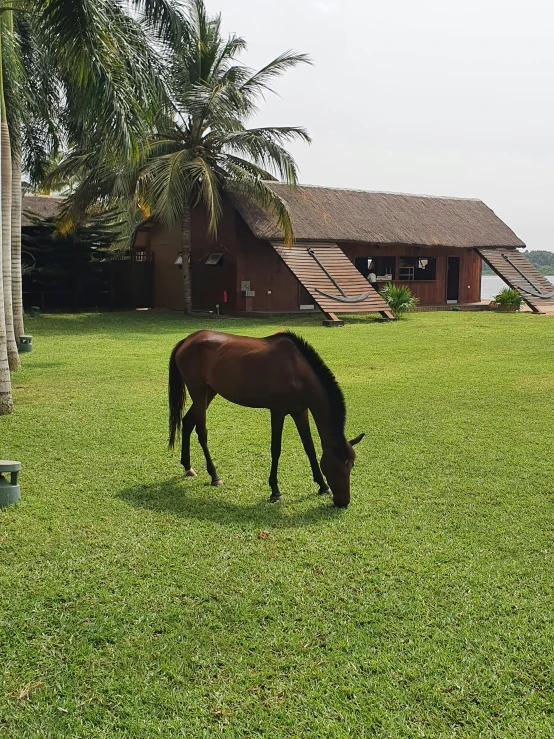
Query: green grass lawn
[[135, 604]]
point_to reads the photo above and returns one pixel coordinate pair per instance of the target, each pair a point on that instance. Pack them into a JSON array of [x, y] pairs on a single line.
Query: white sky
[[421, 96]]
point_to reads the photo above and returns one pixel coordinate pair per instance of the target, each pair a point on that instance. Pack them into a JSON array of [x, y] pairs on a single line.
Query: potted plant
[[509, 299], [399, 299]]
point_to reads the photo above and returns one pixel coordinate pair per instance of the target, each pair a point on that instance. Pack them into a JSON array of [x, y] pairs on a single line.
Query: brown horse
[[280, 372]]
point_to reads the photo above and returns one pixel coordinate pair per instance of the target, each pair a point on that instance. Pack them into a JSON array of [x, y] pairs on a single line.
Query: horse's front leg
[[277, 422], [302, 421]]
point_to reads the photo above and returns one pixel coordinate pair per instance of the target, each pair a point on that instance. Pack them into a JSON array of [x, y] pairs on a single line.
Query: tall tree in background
[[103, 65], [206, 148], [202, 147], [6, 402], [7, 53]]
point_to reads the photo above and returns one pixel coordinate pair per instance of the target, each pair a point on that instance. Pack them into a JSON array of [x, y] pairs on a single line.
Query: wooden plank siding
[[276, 285], [518, 272], [164, 244], [429, 292], [314, 279]]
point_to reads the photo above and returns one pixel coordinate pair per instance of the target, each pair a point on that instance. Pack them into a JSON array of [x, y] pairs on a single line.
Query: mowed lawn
[[136, 604]]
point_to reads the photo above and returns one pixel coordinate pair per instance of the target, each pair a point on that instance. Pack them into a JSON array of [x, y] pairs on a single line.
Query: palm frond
[[166, 183], [259, 82], [264, 147], [166, 17], [105, 65], [258, 192]]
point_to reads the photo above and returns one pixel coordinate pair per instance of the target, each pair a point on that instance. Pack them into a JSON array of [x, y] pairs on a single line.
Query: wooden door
[[452, 279]]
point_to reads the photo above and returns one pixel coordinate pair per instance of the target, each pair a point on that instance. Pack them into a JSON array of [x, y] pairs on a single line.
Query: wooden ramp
[[332, 280], [519, 273]]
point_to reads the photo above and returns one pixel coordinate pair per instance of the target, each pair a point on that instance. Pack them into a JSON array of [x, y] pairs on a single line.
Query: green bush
[[400, 299], [509, 297]]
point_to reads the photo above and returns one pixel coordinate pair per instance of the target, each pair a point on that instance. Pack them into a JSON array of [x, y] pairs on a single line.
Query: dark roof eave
[[391, 243]]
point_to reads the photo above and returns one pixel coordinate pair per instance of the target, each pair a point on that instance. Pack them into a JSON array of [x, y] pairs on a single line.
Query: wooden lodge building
[[435, 245]]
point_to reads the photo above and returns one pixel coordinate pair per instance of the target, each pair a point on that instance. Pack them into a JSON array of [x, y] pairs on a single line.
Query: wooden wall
[[245, 258], [164, 243], [210, 283], [276, 289], [429, 292]]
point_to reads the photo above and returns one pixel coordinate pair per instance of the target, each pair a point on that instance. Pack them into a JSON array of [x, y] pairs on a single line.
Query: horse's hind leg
[[201, 399], [189, 423], [277, 422], [302, 421]]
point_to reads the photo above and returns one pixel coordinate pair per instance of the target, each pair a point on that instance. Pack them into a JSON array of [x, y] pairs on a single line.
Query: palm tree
[[6, 402], [103, 66], [6, 32], [203, 147], [36, 127]]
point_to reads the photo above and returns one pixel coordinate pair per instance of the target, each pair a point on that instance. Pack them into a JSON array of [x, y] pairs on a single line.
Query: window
[[215, 259], [383, 268], [417, 268]]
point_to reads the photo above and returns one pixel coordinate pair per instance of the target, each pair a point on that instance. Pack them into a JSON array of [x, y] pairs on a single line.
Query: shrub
[[400, 299], [509, 297]]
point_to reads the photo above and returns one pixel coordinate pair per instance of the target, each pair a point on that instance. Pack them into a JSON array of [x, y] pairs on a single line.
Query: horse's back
[[257, 372]]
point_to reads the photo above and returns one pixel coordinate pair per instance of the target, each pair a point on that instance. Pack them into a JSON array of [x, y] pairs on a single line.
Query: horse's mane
[[327, 379]]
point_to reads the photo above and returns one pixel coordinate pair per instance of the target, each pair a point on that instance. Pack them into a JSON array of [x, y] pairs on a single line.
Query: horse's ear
[[357, 440]]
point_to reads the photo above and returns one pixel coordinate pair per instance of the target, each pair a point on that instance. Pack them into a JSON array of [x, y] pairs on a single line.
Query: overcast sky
[[426, 96]]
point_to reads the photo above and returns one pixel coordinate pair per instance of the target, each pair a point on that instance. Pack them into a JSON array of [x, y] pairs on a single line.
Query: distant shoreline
[[492, 284]]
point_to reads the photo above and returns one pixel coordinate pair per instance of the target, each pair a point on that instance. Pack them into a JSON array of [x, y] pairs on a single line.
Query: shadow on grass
[[47, 365], [195, 500], [160, 322], [157, 322], [371, 319]]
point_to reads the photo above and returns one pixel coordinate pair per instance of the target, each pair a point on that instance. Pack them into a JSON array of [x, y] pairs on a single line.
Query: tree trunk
[[186, 252], [6, 403], [17, 280], [6, 189]]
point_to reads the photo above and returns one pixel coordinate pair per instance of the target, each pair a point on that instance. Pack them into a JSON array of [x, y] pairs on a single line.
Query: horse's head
[[336, 465]]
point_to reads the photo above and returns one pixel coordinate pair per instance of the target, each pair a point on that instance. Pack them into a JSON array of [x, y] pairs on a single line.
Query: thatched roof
[[43, 206], [326, 214]]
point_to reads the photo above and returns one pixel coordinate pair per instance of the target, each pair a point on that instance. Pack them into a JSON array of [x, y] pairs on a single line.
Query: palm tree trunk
[[6, 402], [186, 252], [17, 280], [6, 189]]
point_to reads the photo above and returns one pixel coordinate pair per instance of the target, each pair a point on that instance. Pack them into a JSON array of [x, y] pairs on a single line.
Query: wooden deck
[[331, 279], [518, 272]]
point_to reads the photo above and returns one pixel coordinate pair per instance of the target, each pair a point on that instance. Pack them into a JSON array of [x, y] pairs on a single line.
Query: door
[[452, 279]]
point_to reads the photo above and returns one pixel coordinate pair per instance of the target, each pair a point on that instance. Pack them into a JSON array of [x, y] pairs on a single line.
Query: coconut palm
[[6, 52], [6, 329], [102, 66], [203, 147], [206, 148]]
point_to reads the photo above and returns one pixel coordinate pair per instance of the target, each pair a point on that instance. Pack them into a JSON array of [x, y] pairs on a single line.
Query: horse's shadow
[[195, 500]]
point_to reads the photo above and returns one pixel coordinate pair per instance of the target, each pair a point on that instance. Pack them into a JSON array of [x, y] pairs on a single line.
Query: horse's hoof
[[324, 491], [190, 473], [217, 482], [274, 498]]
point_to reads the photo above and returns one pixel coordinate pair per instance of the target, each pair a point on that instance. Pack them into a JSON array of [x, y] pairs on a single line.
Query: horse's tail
[[176, 396]]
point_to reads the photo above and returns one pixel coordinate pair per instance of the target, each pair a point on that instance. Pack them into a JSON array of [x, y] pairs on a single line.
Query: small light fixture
[[179, 261]]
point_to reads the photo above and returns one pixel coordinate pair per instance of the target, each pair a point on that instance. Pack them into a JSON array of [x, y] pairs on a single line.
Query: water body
[[491, 285]]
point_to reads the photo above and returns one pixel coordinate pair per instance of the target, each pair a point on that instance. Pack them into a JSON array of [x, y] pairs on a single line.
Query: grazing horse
[[280, 372]]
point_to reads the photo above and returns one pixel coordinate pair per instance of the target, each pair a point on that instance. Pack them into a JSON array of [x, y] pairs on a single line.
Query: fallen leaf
[[26, 689], [263, 534]]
